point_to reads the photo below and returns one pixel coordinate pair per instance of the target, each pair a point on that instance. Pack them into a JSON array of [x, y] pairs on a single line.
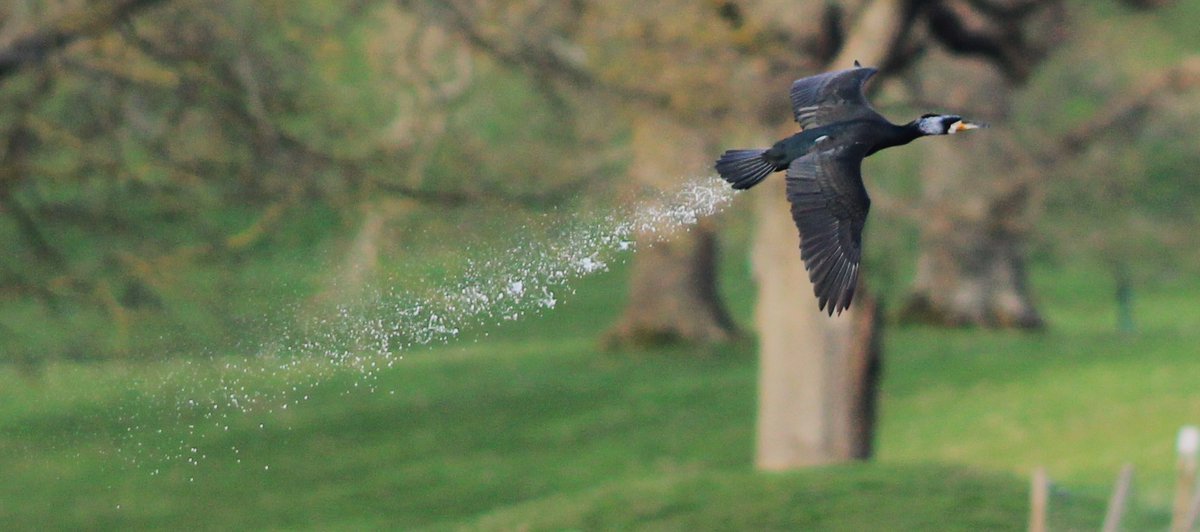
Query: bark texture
[[979, 191], [817, 374], [673, 290], [673, 295], [96, 17], [972, 264]]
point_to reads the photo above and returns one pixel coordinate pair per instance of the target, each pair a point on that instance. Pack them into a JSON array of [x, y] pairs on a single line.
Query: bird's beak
[[963, 125]]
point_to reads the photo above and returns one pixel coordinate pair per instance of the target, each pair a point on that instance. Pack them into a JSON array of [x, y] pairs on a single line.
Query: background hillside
[[237, 237]]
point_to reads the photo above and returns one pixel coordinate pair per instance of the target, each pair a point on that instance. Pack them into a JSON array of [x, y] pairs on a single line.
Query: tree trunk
[[673, 295], [972, 266], [673, 289], [817, 374]]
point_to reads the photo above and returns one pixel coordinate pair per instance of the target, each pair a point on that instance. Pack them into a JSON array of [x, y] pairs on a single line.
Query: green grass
[[850, 497], [1079, 398], [531, 426]]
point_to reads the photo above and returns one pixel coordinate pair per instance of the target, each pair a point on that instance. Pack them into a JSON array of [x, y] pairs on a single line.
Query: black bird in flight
[[824, 172]]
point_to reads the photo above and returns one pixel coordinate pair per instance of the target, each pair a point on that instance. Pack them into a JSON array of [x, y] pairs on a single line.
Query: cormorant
[[824, 172]]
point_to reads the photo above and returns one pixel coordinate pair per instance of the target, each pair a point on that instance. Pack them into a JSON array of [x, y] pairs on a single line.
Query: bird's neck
[[897, 135], [907, 133]]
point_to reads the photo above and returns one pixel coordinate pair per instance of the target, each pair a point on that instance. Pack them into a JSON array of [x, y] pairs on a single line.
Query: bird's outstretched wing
[[832, 97], [829, 206]]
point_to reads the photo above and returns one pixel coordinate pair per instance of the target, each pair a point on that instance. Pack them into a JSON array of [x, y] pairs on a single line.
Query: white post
[[1039, 494], [1187, 445], [1116, 504], [1193, 515]]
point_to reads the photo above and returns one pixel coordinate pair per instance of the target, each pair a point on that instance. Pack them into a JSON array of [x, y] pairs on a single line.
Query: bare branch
[[1118, 115], [97, 17], [1148, 4], [989, 33], [1007, 9], [483, 194], [551, 59], [1181, 78]]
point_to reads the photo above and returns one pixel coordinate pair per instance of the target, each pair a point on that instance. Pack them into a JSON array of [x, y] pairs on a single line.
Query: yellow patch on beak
[[963, 126]]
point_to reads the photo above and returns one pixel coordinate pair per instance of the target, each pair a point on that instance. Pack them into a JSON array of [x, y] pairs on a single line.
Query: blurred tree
[[194, 132], [673, 287], [818, 375], [655, 64], [972, 267], [580, 50], [163, 117], [976, 218], [1120, 200], [74, 23], [135, 149]]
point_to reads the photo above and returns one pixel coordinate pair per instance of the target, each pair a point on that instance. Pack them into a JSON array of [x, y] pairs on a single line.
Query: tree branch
[[991, 33], [1148, 4], [1181, 78], [1117, 115], [551, 59], [1007, 9], [84, 22]]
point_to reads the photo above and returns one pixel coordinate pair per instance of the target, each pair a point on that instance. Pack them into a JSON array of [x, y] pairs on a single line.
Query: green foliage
[[177, 177], [154, 170], [145, 181], [1128, 200]]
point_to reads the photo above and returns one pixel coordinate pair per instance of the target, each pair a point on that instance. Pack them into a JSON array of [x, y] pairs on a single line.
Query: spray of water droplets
[[367, 337]]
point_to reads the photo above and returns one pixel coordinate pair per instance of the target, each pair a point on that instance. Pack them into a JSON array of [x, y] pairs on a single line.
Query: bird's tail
[[744, 168]]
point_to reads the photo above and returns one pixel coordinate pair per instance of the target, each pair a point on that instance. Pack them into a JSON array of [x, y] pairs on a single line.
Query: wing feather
[[832, 97], [829, 206]]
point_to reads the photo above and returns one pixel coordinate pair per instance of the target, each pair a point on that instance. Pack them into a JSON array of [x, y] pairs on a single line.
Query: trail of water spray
[[528, 275], [374, 335]]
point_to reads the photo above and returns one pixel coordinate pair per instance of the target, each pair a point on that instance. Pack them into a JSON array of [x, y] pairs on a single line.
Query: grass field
[[530, 426]]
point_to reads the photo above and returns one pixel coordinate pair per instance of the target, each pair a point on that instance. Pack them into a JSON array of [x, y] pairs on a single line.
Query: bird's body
[[875, 134], [824, 178]]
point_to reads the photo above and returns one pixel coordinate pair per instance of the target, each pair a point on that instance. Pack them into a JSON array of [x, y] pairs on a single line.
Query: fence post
[[1117, 503], [1039, 493], [1189, 522], [1187, 445]]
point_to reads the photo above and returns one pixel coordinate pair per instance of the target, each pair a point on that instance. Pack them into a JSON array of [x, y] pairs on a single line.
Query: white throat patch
[[931, 126]]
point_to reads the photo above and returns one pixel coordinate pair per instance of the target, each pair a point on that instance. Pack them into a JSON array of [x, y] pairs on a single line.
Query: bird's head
[[935, 124]]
